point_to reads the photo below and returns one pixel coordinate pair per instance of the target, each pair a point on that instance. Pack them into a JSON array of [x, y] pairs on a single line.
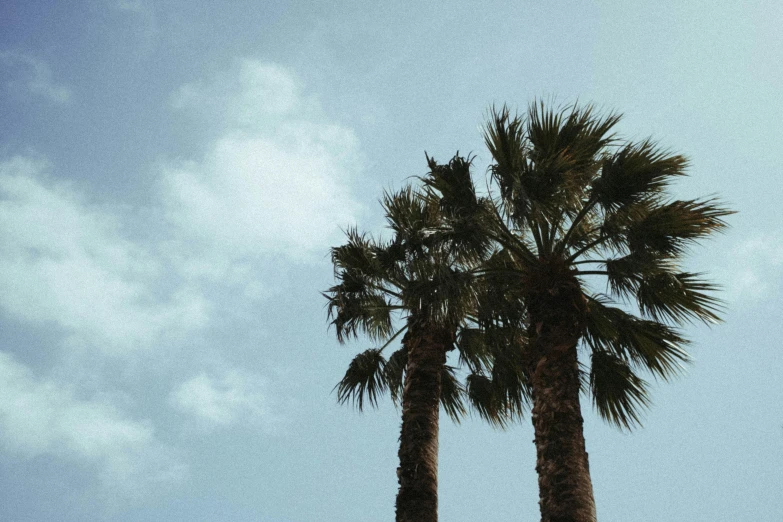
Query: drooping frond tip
[[619, 395], [364, 380]]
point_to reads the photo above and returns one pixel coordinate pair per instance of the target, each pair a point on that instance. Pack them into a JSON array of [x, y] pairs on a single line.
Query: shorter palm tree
[[422, 275]]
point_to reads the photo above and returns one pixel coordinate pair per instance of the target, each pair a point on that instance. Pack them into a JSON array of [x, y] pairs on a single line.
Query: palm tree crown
[[575, 203], [569, 203], [567, 278], [414, 276]]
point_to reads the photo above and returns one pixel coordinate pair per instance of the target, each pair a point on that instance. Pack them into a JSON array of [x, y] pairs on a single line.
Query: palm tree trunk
[[565, 488], [417, 499], [556, 309]]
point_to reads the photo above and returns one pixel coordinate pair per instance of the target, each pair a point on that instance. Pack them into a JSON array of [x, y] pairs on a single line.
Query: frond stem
[[386, 290], [392, 338], [578, 219], [537, 236], [585, 261], [587, 247], [517, 246]]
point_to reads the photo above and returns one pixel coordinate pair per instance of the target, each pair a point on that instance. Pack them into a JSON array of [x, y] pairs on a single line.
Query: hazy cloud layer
[[756, 271], [35, 75], [40, 416], [277, 181], [64, 261], [274, 186], [227, 398]]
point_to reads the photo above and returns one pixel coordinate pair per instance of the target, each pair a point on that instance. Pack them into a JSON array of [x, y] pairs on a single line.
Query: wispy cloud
[[253, 95], [36, 75], [64, 261], [226, 398], [756, 271], [278, 180], [275, 186], [45, 417]]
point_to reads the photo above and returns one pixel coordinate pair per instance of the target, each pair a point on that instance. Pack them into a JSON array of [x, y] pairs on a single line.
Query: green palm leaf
[[647, 345], [451, 394], [364, 380], [634, 173], [618, 393], [394, 373], [678, 298]]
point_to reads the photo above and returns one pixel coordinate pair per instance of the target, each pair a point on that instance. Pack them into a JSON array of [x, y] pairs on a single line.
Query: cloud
[[756, 268], [276, 184], [38, 76], [272, 187], [45, 417], [231, 397], [252, 95], [278, 179], [64, 261]]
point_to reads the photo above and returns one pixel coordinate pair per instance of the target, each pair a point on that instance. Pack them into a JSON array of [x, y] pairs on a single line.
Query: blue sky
[[172, 175]]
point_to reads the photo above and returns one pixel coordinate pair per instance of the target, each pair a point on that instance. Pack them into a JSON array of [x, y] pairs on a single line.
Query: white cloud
[[233, 396], [278, 179], [252, 95], [64, 261], [756, 269], [275, 185], [38, 76], [39, 417]]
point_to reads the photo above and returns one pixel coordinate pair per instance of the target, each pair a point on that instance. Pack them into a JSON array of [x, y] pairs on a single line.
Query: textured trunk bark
[[565, 488], [557, 316], [417, 499]]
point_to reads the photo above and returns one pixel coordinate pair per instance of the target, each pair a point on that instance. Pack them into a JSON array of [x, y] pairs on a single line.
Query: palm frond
[[353, 312], [364, 380], [501, 397], [668, 228], [484, 400], [564, 146], [451, 394], [439, 293], [562, 159], [634, 173], [505, 138], [395, 374], [678, 298], [412, 217], [645, 344], [452, 182], [624, 273], [474, 351], [509, 371], [357, 255], [618, 393]]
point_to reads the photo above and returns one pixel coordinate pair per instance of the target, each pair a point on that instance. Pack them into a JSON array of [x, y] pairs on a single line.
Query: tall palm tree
[[574, 204], [422, 274]]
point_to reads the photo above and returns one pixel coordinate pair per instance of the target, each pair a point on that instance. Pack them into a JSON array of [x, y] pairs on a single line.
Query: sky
[[173, 174]]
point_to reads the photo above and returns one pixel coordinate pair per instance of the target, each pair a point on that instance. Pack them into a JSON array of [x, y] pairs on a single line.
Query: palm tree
[[574, 204], [422, 274]]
